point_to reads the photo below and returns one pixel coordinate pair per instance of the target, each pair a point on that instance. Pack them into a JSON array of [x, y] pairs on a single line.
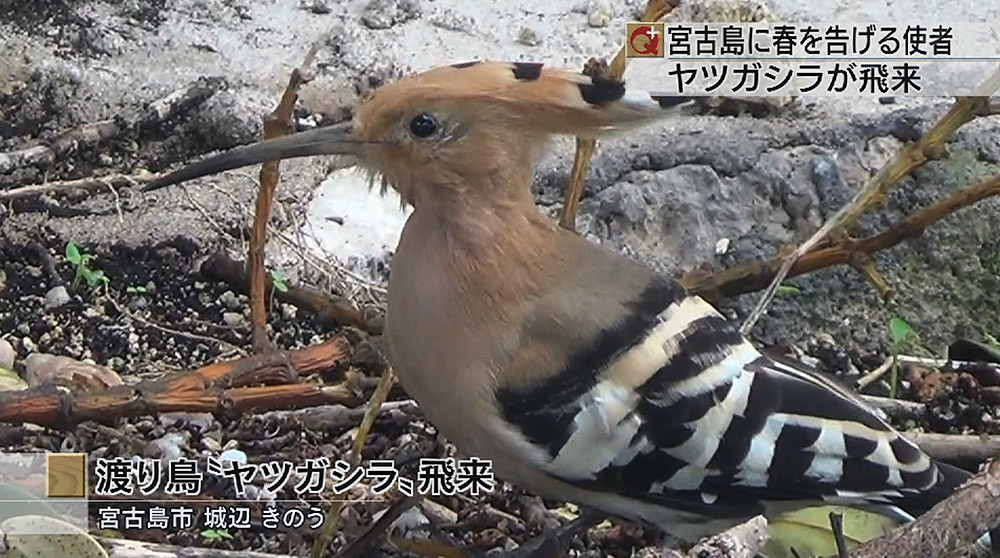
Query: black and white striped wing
[[680, 410]]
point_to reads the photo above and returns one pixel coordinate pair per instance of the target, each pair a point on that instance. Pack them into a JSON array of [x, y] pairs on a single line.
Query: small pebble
[[201, 421], [230, 300], [722, 246], [528, 37], [6, 355], [133, 343], [233, 319], [235, 455], [211, 444], [167, 447], [599, 13], [56, 297], [28, 344], [145, 425], [383, 14], [318, 7], [408, 521]]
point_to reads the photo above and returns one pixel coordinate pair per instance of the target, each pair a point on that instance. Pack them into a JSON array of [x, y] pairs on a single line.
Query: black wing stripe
[[856, 446], [706, 342], [715, 427], [810, 400], [744, 427], [905, 451], [545, 412]]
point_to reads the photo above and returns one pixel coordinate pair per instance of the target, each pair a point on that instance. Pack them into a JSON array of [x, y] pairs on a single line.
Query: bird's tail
[[808, 531]]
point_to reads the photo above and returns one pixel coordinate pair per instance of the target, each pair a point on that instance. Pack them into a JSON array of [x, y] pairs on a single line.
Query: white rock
[[599, 13], [722, 246], [56, 297], [6, 355], [234, 455], [233, 319], [168, 447], [351, 223]]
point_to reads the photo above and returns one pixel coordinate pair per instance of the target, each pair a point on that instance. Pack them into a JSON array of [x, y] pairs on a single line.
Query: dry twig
[[912, 156], [950, 526], [95, 133], [333, 514], [86, 184], [655, 10], [333, 310], [276, 124], [968, 450], [753, 276], [248, 384]]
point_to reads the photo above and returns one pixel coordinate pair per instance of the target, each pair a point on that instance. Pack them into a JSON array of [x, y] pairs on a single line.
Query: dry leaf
[[44, 369]]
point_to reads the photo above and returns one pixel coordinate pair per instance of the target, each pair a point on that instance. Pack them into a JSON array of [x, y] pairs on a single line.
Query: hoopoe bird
[[583, 375]]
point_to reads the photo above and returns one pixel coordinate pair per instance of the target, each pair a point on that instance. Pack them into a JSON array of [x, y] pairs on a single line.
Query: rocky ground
[[709, 189]]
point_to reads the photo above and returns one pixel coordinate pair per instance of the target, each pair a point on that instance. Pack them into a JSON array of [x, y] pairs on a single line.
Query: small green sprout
[[278, 278], [214, 535], [136, 289], [93, 277], [903, 335], [992, 341], [788, 290]]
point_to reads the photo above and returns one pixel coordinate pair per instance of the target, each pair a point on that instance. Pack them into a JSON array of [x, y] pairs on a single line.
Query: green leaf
[[98, 277], [73, 254], [213, 534], [788, 290], [901, 330], [10, 381], [991, 340], [279, 281], [94, 277]]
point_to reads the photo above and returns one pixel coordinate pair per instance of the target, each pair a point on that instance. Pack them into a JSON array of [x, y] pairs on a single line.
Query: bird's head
[[458, 129]]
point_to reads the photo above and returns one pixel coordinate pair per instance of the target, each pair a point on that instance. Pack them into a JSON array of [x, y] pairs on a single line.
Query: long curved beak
[[329, 140]]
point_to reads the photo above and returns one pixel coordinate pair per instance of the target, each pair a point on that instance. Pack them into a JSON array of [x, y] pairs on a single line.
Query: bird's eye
[[423, 125]]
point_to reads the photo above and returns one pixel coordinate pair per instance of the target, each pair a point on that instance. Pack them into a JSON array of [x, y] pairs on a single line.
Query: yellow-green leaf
[[10, 381], [39, 536]]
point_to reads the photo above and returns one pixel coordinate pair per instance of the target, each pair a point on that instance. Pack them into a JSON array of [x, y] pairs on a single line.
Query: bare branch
[[753, 276], [655, 10], [109, 182], [914, 155], [950, 526]]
